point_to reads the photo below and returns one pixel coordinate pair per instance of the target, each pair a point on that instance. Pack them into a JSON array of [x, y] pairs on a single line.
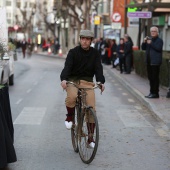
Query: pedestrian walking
[[24, 47], [153, 46]]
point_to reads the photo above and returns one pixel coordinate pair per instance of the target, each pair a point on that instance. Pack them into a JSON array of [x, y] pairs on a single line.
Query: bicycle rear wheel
[[86, 132], [74, 128]]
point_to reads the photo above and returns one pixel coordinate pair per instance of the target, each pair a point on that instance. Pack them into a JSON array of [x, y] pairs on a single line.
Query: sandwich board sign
[[3, 28]]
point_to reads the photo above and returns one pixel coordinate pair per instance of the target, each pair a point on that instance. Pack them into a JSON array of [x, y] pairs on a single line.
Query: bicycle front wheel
[[88, 135], [74, 128]]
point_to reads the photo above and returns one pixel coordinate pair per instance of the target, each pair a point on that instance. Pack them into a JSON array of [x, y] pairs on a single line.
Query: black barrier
[[7, 150]]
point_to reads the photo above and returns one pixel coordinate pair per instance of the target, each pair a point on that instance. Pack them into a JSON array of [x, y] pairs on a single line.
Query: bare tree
[[43, 11], [27, 16], [78, 11]]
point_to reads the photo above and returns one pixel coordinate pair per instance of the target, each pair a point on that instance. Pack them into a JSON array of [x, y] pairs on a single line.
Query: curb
[[51, 55]]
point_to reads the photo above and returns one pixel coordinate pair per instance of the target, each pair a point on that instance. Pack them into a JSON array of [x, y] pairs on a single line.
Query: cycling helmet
[[86, 33]]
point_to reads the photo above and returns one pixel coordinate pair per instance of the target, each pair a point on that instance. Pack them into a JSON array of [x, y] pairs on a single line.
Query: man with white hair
[[153, 46]]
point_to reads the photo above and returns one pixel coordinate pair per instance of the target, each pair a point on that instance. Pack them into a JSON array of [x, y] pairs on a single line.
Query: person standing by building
[[128, 50], [121, 56], [113, 51], [153, 46]]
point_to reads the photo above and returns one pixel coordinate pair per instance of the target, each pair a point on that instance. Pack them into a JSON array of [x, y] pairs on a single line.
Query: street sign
[[139, 14], [97, 20], [116, 17], [116, 25]]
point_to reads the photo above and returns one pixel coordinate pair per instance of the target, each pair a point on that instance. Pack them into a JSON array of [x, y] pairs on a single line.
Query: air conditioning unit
[[155, 21]]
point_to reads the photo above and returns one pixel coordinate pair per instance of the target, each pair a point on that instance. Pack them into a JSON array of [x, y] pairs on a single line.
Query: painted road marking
[[132, 118], [131, 100], [161, 132], [124, 94], [138, 108], [29, 90], [31, 116], [19, 101]]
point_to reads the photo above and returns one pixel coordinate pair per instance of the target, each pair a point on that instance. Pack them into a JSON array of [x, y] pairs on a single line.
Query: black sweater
[[83, 64]]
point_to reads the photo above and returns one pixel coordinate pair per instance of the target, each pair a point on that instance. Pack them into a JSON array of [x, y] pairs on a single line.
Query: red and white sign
[[16, 27], [116, 17]]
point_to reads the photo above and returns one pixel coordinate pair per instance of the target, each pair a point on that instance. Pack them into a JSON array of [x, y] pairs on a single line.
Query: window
[[9, 21], [8, 15], [31, 5], [8, 3]]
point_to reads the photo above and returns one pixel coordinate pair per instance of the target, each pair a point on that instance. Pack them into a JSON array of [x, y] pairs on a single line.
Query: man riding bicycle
[[82, 64]]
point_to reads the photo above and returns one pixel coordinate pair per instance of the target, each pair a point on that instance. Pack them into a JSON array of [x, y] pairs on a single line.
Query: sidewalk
[[139, 87]]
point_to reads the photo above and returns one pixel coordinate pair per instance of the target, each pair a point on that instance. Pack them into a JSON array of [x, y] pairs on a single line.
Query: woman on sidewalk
[[120, 55]]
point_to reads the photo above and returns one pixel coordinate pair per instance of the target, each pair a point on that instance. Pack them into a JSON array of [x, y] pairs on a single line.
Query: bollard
[[49, 50], [60, 53], [168, 93]]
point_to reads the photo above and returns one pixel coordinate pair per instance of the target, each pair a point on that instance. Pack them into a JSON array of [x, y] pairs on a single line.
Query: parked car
[[7, 68]]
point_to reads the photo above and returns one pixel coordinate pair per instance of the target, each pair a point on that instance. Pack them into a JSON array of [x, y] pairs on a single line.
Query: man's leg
[[90, 99], [155, 79], [70, 105], [149, 72]]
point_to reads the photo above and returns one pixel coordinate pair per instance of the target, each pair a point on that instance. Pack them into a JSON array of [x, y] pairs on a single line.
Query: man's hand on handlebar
[[101, 86], [64, 84]]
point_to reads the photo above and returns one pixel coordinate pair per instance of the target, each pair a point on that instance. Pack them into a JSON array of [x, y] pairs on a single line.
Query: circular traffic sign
[[116, 17], [16, 27]]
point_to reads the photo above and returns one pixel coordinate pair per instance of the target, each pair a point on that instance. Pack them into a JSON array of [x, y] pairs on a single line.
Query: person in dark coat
[[24, 47], [120, 55], [128, 54], [153, 46], [113, 51]]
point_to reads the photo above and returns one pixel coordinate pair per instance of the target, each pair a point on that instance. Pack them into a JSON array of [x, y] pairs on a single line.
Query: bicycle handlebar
[[98, 85]]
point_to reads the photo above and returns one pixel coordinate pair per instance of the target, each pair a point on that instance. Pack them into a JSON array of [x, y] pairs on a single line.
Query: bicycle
[[83, 130]]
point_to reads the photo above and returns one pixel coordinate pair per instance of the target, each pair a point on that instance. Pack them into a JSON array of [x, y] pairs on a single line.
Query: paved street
[[131, 138]]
